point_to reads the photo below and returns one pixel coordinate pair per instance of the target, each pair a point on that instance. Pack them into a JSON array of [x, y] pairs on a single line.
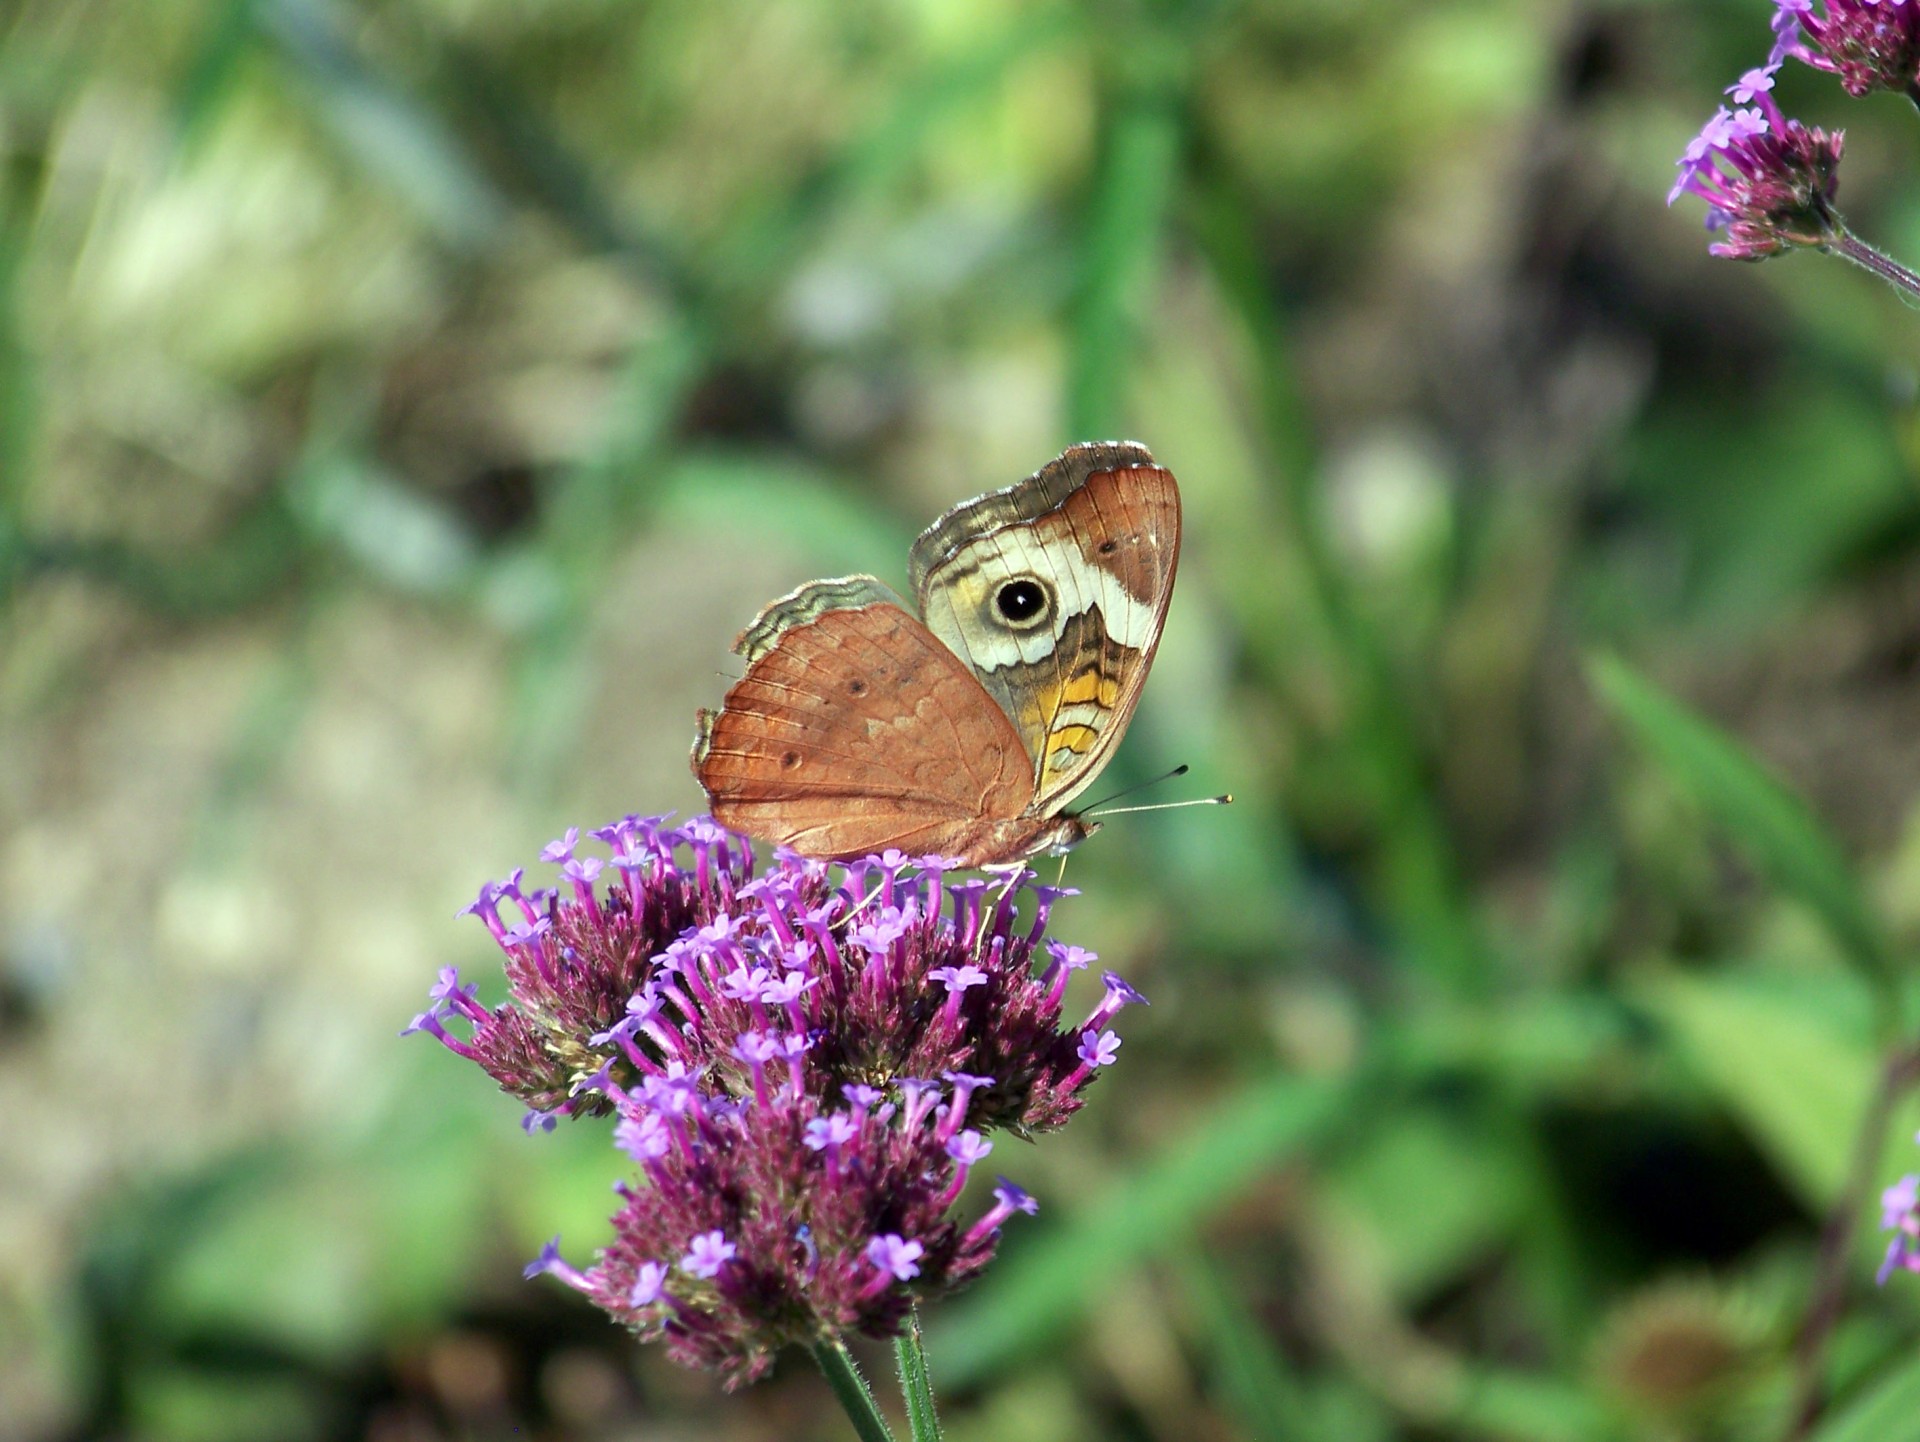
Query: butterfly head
[[1063, 833]]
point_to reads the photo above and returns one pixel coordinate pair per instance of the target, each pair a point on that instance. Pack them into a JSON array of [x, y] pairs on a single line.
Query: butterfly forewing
[[855, 730]]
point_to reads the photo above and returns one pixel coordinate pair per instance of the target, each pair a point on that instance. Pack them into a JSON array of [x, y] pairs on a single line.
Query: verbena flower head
[[1868, 44], [1768, 180], [804, 1069], [1900, 1214]]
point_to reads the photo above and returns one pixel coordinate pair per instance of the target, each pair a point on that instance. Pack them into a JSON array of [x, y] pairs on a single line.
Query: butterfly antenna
[[1225, 798], [1181, 770]]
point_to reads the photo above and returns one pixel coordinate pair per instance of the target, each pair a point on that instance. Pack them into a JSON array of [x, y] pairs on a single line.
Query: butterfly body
[[965, 730]]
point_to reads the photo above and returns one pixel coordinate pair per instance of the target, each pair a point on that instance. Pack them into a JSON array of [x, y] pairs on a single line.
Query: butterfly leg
[[863, 904]]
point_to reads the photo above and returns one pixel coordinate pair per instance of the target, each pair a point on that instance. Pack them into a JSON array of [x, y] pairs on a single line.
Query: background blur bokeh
[[403, 402]]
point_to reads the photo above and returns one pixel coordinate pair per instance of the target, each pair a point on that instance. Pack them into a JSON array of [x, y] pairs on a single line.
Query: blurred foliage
[[402, 402]]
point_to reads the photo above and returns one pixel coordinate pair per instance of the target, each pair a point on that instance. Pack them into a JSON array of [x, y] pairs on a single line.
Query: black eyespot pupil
[[1020, 600]]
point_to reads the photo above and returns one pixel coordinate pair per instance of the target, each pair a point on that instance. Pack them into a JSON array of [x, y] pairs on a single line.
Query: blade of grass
[[384, 128], [209, 77], [18, 399], [1768, 822], [1258, 1386], [761, 248], [1140, 150]]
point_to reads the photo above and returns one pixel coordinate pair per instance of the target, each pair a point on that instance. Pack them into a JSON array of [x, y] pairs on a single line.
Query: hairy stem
[[851, 1388], [1846, 244], [915, 1383]]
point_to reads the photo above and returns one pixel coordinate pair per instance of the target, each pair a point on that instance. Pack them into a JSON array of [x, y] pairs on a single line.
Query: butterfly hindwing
[[1054, 592]]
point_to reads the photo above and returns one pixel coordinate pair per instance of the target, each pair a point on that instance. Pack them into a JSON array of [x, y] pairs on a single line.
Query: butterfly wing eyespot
[[1024, 603]]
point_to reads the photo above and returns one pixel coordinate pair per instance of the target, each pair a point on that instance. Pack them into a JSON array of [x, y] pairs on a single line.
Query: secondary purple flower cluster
[[1869, 44], [1900, 1214], [803, 1072], [1768, 180]]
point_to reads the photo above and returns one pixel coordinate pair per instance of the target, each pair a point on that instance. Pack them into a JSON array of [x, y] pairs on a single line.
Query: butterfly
[[966, 729]]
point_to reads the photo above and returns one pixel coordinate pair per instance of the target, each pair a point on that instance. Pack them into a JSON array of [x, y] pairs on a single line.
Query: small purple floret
[[649, 1284], [895, 1255], [968, 1148], [1098, 1049], [709, 1253]]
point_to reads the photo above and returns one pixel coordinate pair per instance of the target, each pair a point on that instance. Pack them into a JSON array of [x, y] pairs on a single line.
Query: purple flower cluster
[[1768, 180], [1869, 44], [803, 1072], [1900, 1214]]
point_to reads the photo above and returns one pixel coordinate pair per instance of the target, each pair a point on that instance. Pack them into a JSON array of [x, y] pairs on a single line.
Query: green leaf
[[1034, 1295], [1793, 1076], [1766, 820], [1431, 1192], [1890, 1412]]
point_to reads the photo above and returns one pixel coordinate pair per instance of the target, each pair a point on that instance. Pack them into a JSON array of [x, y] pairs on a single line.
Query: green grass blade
[[383, 127], [1257, 1386], [1765, 820], [1141, 151], [19, 412]]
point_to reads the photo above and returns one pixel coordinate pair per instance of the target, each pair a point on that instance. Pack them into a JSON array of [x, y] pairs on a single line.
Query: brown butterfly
[[966, 730]]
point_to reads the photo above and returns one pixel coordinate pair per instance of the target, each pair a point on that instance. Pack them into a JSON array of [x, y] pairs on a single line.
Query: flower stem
[[1848, 245], [851, 1388], [915, 1383], [1836, 1245]]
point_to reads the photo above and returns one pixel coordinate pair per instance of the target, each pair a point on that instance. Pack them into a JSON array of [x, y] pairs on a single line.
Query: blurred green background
[[402, 403]]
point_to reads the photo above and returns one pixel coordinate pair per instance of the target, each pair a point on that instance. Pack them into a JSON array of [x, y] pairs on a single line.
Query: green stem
[[915, 1384], [1850, 247], [851, 1388]]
